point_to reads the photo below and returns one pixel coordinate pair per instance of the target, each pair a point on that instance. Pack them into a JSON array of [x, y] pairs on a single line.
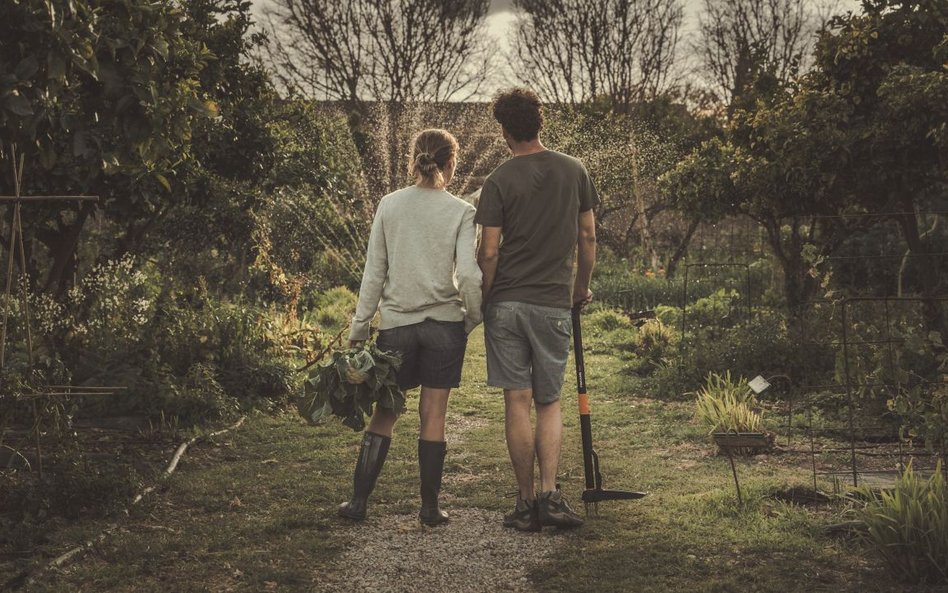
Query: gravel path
[[472, 554]]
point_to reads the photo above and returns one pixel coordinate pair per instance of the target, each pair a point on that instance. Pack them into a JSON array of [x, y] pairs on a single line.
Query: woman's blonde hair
[[430, 152]]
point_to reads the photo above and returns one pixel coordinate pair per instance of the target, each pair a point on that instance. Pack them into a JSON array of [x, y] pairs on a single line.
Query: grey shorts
[[432, 352], [527, 347]]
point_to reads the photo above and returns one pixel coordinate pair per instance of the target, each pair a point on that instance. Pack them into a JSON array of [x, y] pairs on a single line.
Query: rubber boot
[[371, 458], [431, 465]]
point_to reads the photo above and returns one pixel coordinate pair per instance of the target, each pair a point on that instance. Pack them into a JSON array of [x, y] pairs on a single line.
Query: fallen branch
[[28, 578], [173, 464]]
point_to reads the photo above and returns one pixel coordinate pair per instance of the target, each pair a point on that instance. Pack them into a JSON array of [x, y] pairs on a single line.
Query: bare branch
[[573, 51], [380, 50]]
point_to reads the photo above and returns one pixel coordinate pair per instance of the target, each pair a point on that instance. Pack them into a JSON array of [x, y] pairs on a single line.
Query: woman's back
[[421, 228], [420, 262]]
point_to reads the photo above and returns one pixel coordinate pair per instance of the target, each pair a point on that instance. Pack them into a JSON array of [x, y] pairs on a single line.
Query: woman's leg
[[382, 422], [375, 444], [432, 408]]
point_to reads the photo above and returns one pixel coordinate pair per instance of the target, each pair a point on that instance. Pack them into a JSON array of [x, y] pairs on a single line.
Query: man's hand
[[582, 298]]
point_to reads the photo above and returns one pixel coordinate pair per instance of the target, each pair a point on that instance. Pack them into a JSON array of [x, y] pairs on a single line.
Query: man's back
[[536, 200]]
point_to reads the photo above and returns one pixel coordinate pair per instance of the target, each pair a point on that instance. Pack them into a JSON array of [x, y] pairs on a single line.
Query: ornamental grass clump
[[727, 405], [349, 383], [908, 527]]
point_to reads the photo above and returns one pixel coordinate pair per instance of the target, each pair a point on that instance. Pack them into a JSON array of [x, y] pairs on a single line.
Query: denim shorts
[[527, 347], [432, 352]]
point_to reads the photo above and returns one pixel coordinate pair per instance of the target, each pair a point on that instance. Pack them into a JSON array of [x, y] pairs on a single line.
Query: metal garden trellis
[[800, 380]]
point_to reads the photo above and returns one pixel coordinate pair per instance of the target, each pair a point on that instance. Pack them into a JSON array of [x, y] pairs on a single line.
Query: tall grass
[[727, 405], [908, 527]]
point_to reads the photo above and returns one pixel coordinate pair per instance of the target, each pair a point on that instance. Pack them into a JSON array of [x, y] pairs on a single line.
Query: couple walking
[[421, 274]]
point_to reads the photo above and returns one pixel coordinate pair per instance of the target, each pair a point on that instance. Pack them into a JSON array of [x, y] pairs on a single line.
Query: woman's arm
[[468, 272], [373, 279]]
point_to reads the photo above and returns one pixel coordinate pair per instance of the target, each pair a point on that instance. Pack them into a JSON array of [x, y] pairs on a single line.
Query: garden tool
[[594, 492]]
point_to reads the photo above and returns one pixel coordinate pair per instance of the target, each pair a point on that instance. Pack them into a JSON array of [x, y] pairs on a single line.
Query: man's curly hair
[[520, 112]]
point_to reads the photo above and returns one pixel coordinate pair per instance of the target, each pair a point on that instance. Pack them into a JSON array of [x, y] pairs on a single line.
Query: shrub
[[235, 340], [333, 309], [908, 527], [656, 337], [607, 319], [727, 405]]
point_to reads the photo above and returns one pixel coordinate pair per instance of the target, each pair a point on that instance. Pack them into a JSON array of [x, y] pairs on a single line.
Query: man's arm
[[487, 255], [586, 259]]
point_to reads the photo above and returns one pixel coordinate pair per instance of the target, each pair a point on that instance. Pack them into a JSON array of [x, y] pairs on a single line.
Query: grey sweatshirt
[[420, 262]]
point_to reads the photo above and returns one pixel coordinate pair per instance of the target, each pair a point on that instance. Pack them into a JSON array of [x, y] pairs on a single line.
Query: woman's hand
[[356, 343]]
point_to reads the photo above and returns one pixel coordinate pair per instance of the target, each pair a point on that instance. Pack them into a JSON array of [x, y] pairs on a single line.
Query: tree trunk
[[681, 250], [932, 310], [64, 253], [798, 285], [641, 213]]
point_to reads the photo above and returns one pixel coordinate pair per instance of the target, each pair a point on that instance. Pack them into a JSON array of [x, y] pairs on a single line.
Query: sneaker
[[524, 516], [554, 510]]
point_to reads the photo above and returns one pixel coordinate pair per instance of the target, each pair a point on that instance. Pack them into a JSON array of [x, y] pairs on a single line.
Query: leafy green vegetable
[[349, 383]]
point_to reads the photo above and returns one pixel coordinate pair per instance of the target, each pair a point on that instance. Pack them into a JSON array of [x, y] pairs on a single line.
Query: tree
[[626, 153], [100, 98], [573, 51], [861, 135], [380, 50], [887, 67], [739, 39]]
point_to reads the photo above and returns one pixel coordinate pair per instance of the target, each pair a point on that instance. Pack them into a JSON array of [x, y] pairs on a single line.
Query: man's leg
[[519, 433], [549, 438]]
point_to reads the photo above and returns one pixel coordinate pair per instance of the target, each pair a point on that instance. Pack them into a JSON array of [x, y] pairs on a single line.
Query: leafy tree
[[100, 97], [860, 134]]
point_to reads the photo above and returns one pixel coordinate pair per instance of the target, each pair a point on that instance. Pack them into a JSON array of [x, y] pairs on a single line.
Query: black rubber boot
[[371, 458], [431, 466]]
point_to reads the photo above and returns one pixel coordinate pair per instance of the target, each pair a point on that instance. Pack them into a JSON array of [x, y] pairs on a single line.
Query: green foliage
[[237, 340], [862, 132], [656, 342], [727, 405], [608, 320], [99, 97], [350, 383], [922, 400], [908, 527], [333, 309]]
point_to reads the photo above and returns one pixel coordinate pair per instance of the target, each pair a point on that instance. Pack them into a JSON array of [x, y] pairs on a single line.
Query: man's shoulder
[[567, 159]]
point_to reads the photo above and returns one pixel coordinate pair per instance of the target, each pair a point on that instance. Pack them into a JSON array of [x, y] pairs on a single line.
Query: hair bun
[[431, 151], [426, 163]]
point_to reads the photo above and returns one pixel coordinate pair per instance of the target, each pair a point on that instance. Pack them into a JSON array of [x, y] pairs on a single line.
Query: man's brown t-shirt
[[536, 199]]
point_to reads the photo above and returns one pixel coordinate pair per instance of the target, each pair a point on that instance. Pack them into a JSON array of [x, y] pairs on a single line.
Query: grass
[[253, 510]]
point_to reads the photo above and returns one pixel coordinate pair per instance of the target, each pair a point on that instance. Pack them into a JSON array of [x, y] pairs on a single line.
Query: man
[[536, 210]]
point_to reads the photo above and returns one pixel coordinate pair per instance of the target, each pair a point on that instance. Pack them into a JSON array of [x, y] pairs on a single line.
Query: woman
[[422, 239]]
